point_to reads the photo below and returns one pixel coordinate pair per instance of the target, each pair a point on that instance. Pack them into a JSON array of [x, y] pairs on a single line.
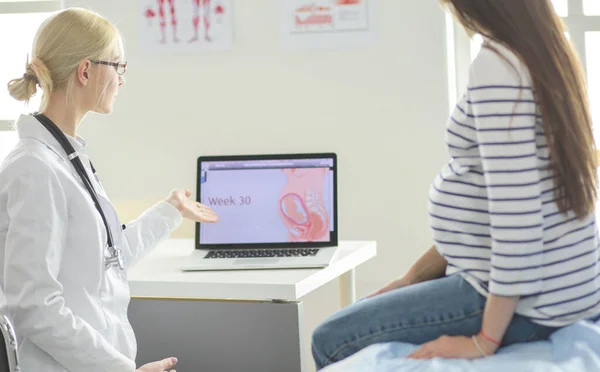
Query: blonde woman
[[64, 252]]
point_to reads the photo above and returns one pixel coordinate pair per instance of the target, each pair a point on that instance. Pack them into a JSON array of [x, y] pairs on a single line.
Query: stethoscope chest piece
[[115, 259]]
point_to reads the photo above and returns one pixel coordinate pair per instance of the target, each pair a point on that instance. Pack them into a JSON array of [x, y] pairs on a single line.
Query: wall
[[382, 109]]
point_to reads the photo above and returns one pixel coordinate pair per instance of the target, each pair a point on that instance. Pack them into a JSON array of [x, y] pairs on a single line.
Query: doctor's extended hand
[[191, 209], [160, 366]]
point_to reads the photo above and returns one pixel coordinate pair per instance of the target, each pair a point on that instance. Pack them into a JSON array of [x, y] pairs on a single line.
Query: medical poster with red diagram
[[186, 26], [326, 24]]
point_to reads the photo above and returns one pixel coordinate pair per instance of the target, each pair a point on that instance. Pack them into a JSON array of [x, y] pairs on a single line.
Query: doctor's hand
[[160, 366], [191, 209]]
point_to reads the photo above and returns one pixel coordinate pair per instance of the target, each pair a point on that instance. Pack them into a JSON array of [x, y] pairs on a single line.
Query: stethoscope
[[115, 257]]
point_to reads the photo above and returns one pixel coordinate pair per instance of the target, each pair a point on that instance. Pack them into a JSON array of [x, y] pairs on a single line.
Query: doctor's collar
[[29, 127], [78, 142]]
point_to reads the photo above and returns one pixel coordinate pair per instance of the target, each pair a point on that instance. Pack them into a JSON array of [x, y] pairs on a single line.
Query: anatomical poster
[[186, 26], [326, 24]]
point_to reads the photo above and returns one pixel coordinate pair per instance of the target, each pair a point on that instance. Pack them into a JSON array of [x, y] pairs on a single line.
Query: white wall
[[382, 109]]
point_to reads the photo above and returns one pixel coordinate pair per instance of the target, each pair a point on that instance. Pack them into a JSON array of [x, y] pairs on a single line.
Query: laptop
[[275, 212]]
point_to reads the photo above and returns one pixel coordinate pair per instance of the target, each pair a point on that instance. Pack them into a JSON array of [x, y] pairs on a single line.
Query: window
[[8, 140], [12, 65], [582, 18], [476, 42], [562, 10], [592, 45], [562, 7], [591, 7], [19, 21]]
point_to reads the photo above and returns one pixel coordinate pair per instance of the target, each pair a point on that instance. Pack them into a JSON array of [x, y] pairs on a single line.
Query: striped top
[[492, 209]]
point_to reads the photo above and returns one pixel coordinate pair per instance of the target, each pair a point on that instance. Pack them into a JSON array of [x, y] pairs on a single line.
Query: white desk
[[229, 320]]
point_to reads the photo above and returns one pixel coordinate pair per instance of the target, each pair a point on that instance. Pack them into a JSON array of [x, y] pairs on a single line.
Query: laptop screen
[[283, 202]]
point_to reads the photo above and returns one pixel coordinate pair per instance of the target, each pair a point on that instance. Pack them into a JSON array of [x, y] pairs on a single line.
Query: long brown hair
[[533, 30]]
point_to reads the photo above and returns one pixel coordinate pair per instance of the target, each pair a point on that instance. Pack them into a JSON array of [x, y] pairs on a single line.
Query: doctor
[[65, 255]]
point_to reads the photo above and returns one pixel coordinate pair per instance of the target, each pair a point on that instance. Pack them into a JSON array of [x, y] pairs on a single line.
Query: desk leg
[[347, 282], [220, 336]]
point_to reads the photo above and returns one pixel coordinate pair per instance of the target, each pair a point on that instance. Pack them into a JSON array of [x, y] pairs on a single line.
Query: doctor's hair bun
[[24, 87], [62, 42]]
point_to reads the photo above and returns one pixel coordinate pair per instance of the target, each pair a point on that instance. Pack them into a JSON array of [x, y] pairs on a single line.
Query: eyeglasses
[[120, 67]]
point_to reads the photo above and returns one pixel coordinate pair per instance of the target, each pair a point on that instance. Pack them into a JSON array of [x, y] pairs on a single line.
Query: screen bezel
[[334, 234]]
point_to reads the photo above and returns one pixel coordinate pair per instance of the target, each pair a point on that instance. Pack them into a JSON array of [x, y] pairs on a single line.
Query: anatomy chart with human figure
[[186, 25], [326, 24], [301, 205], [206, 18]]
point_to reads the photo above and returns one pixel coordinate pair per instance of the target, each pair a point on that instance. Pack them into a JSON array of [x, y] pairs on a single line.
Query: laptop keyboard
[[261, 253]]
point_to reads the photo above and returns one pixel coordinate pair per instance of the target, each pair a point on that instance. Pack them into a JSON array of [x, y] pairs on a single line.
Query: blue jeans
[[416, 314]]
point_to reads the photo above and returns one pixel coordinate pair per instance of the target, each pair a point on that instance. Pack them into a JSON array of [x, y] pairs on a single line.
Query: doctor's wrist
[[176, 199], [174, 202]]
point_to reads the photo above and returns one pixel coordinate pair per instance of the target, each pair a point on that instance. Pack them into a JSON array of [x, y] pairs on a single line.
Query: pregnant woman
[[516, 252]]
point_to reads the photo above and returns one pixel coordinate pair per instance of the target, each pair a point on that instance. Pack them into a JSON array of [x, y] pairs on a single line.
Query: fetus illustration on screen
[[301, 205]]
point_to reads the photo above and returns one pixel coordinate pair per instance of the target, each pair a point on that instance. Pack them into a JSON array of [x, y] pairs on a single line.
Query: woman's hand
[[453, 347], [398, 283], [164, 365], [191, 209]]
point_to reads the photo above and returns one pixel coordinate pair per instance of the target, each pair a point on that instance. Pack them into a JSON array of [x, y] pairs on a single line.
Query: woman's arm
[[507, 142], [430, 266], [143, 234], [498, 313], [155, 224], [496, 318]]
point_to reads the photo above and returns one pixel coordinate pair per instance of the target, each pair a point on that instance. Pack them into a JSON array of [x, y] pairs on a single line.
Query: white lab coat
[[69, 313]]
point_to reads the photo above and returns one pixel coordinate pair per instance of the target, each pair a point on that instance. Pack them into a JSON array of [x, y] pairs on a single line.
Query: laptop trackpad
[[255, 261]]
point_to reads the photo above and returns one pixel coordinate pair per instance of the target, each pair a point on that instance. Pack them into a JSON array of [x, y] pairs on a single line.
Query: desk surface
[[158, 275]]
